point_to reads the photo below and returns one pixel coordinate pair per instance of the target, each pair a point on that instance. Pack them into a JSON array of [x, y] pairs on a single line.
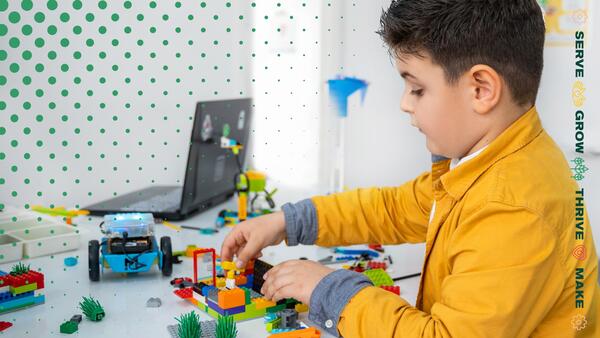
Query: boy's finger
[[229, 247], [249, 251]]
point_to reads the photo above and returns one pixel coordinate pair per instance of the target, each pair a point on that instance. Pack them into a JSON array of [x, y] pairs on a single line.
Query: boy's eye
[[417, 92]]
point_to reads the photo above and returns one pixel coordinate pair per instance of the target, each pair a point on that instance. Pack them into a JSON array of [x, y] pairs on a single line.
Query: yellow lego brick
[[301, 307]]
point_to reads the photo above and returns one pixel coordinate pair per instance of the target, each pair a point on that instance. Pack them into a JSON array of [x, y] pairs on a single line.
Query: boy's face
[[441, 111]]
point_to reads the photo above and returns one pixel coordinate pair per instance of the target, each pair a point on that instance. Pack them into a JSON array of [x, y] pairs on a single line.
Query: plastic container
[[11, 249]]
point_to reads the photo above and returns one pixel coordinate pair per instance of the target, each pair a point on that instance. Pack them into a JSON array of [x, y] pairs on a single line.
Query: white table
[[124, 297]]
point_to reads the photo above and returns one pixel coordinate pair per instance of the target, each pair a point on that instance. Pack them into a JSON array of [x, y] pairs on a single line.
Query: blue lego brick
[[206, 289], [8, 296], [222, 312], [21, 302], [3, 273]]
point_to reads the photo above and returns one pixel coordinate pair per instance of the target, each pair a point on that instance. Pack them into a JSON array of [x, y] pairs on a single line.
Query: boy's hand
[[247, 239], [293, 279]]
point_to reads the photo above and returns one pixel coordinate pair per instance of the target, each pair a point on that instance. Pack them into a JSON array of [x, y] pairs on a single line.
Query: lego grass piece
[[207, 327], [92, 309], [189, 325], [226, 327], [19, 269]]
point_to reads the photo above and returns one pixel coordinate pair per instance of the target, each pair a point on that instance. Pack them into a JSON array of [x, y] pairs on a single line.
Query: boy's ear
[[485, 85]]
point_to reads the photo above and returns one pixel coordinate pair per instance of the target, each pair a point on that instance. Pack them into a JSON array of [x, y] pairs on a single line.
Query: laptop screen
[[211, 169]]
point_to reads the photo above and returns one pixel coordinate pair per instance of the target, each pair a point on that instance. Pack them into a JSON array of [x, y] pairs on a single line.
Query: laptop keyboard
[[160, 202]]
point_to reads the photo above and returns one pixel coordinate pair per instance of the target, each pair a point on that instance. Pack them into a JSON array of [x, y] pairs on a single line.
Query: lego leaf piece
[[69, 327], [189, 325], [19, 269], [226, 327], [92, 309]]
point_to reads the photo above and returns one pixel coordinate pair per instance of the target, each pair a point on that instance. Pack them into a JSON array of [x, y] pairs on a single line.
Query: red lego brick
[[184, 293], [38, 278], [5, 325], [393, 289], [377, 265]]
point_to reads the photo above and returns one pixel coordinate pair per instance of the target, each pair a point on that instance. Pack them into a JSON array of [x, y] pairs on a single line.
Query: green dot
[[14, 118], [89, 42], [27, 131], [89, 17], [77, 30], [77, 55], [26, 55], [26, 30], [14, 143], [114, 17], [27, 5], [39, 93], [102, 4], [52, 5], [2, 156], [52, 30], [51, 55], [39, 42], [64, 42], [3, 5], [13, 93], [2, 130], [39, 17], [14, 42], [14, 67], [127, 4], [39, 67], [77, 4], [102, 29], [3, 55], [39, 118], [203, 4], [3, 29], [2, 80], [152, 4], [64, 17], [14, 17]]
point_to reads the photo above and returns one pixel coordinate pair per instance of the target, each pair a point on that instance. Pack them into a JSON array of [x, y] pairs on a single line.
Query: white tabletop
[[124, 297]]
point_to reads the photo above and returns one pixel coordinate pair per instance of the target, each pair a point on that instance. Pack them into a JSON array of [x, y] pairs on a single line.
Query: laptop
[[210, 169]]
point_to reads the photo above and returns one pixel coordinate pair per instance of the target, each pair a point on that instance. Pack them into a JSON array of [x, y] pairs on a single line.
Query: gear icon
[[579, 322]]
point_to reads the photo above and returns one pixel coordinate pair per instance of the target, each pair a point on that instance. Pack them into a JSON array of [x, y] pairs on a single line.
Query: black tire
[[94, 260], [167, 256]]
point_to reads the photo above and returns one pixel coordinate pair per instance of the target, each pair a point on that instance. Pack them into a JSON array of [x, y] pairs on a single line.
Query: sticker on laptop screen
[[207, 129], [241, 120]]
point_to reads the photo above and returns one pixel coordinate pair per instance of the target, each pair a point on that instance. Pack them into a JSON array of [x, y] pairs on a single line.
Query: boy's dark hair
[[507, 35]]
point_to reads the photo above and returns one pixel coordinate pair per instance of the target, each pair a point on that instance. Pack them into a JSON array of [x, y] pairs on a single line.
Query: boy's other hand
[[293, 279], [248, 238]]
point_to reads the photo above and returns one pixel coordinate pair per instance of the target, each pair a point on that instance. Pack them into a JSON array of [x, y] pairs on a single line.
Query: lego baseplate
[[208, 329]]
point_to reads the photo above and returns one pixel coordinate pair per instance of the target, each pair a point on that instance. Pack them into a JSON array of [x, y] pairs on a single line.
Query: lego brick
[[23, 289], [8, 296], [247, 298], [231, 298], [276, 308], [241, 280], [21, 303], [393, 289], [310, 332], [230, 311], [262, 303], [213, 296], [301, 307], [260, 268], [184, 293], [270, 326], [377, 265], [379, 277]]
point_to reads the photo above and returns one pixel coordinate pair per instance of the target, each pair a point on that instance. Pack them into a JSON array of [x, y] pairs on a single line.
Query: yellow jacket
[[499, 256]]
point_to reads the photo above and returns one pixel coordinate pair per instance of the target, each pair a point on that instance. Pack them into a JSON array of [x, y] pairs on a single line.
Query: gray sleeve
[[331, 295], [300, 222]]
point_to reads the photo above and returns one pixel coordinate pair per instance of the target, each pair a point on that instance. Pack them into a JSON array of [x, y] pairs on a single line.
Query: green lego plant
[[19, 269], [69, 327], [189, 325], [226, 327], [92, 309]]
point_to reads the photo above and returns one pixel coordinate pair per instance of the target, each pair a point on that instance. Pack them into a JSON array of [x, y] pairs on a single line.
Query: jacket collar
[[456, 182]]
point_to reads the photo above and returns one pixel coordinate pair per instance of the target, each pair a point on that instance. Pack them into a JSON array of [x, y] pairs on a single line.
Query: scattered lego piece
[[5, 325], [377, 265], [301, 307], [226, 327], [153, 302], [310, 332], [70, 261], [69, 327], [289, 319], [393, 289], [184, 293], [189, 325], [379, 277], [92, 309], [76, 318], [260, 268]]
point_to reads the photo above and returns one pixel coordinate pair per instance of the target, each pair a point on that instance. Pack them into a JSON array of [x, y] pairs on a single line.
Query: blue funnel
[[341, 88]]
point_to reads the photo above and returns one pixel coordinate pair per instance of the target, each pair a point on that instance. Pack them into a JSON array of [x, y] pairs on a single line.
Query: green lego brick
[[276, 308], [273, 325], [247, 294], [379, 277], [22, 289], [69, 327]]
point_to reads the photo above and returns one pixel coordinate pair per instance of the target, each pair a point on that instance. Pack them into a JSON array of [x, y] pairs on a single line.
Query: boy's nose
[[404, 105]]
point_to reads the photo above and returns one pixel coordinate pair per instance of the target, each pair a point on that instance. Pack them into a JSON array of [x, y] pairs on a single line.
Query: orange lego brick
[[241, 280], [231, 298], [262, 303], [310, 332]]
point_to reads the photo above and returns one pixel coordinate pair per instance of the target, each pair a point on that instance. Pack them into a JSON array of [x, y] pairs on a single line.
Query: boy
[[497, 211]]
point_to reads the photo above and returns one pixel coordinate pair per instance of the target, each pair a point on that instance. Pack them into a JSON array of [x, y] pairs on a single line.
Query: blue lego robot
[[129, 246]]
